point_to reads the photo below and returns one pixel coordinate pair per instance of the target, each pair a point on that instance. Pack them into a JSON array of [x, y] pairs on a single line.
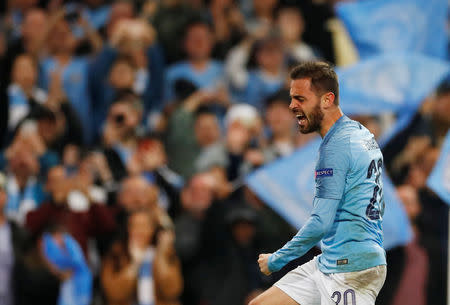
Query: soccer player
[[347, 209]]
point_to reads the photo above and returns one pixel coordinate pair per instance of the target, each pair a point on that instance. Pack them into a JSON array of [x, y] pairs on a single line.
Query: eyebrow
[[298, 97]]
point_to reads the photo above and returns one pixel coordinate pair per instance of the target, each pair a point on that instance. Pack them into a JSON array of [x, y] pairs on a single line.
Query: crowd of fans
[[127, 128]]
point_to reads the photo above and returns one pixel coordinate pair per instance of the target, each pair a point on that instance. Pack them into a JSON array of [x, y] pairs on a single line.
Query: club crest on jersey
[[324, 172]]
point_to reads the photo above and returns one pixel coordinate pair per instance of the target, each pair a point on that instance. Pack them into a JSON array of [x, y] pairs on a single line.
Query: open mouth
[[301, 118]]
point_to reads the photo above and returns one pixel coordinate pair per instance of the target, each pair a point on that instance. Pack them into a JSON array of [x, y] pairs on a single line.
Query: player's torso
[[357, 229]]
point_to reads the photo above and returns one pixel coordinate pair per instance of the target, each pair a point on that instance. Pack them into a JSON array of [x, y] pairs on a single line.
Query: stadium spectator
[[232, 276], [23, 92], [24, 189], [131, 43], [140, 260], [136, 193], [413, 283], [196, 198], [228, 23], [261, 18], [169, 21], [280, 124], [240, 151], [120, 138], [72, 69], [65, 258], [291, 25], [14, 242], [198, 67], [34, 281], [190, 129], [70, 207], [256, 70]]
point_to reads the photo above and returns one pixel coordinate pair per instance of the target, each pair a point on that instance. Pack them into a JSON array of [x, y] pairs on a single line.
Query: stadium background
[[149, 144]]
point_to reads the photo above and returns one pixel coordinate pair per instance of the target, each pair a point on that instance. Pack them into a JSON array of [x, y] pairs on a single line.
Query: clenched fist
[[263, 261]]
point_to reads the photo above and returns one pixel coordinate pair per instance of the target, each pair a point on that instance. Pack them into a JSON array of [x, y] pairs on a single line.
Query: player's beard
[[314, 121]]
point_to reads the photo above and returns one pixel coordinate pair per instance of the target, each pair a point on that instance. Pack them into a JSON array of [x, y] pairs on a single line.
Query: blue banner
[[289, 190], [389, 83], [379, 26], [439, 179]]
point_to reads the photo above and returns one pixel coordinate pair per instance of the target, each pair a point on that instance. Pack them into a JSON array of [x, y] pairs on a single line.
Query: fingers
[[263, 263]]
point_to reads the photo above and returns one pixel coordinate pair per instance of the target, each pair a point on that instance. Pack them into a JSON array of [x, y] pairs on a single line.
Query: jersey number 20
[[373, 211]]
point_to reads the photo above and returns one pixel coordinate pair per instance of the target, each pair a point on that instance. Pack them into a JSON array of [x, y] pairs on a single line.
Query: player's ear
[[328, 99]]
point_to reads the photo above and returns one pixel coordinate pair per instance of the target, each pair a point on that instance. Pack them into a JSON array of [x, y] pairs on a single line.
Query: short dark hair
[[322, 75], [196, 20], [127, 96], [41, 112], [443, 89], [282, 96], [203, 110]]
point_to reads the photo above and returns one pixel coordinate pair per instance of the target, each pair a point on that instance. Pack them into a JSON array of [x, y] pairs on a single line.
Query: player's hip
[[350, 257], [309, 286], [369, 281]]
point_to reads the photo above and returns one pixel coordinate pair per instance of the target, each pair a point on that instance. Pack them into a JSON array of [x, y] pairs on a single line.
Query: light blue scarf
[[19, 204], [77, 290], [146, 288]]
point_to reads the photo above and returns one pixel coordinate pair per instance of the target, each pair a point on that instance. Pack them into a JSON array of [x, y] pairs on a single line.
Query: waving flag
[[378, 26], [389, 83], [439, 180], [287, 186]]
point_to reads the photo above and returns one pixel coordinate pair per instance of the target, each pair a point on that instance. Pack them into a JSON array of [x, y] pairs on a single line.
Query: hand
[[35, 142], [119, 31], [136, 253], [254, 156], [100, 165], [197, 99], [110, 134], [139, 58], [152, 157], [263, 262], [165, 242], [222, 97], [56, 94]]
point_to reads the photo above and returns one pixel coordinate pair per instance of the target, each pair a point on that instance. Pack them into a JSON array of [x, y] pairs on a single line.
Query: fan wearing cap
[[240, 151]]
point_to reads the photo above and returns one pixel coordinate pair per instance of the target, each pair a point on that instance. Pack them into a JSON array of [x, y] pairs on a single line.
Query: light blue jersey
[[348, 204], [208, 79]]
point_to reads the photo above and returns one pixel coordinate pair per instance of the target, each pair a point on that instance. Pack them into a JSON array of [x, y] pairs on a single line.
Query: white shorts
[[307, 285]]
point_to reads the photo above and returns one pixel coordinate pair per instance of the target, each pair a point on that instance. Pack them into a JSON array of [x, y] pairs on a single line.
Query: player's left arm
[[331, 174]]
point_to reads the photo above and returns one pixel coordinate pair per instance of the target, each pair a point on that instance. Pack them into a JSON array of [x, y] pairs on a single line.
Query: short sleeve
[[331, 171]]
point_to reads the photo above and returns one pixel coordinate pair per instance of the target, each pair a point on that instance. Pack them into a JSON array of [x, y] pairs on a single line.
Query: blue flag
[[439, 180], [287, 186], [389, 83], [379, 26]]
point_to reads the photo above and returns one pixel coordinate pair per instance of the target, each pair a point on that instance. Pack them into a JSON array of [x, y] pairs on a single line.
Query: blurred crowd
[[127, 129]]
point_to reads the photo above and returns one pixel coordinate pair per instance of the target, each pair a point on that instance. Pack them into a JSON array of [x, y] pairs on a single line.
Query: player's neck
[[329, 120]]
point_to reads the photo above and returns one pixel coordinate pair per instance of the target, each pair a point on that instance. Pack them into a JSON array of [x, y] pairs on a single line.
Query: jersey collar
[[333, 128]]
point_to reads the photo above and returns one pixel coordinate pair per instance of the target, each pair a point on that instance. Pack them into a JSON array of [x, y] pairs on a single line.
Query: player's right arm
[[318, 224]]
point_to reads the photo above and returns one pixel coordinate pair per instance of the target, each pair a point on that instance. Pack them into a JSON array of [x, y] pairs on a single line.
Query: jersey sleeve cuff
[[270, 263]]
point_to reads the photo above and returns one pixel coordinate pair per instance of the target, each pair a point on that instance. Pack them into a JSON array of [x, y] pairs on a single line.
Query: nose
[[294, 105]]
